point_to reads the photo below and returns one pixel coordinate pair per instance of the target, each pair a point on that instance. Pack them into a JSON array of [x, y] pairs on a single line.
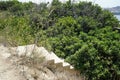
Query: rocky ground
[[13, 67], [8, 71]]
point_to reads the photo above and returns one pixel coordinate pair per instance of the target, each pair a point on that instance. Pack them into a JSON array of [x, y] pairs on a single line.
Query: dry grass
[[35, 67]]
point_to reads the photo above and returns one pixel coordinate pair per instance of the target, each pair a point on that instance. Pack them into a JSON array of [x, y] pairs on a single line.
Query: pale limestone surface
[[7, 70], [54, 69]]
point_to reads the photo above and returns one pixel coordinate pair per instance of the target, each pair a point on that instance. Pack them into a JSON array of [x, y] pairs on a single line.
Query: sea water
[[118, 17]]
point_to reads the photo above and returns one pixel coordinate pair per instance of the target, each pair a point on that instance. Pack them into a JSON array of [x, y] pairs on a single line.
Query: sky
[[102, 3]]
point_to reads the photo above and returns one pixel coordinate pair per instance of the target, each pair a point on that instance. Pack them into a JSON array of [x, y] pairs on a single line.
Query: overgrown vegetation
[[81, 33]]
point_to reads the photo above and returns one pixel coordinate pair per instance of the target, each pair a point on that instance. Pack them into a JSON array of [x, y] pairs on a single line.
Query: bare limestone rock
[[34, 63]]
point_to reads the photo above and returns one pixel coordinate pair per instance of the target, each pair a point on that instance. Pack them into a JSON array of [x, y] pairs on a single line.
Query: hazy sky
[[102, 3]]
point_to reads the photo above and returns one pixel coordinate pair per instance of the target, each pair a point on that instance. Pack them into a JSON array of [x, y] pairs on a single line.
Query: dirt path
[[8, 71]]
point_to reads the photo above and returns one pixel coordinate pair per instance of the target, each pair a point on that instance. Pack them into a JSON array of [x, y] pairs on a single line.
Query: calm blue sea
[[118, 16]]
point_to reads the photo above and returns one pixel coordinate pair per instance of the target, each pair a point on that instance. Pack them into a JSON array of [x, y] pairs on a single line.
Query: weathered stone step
[[51, 58], [59, 64], [66, 67], [51, 62], [71, 67]]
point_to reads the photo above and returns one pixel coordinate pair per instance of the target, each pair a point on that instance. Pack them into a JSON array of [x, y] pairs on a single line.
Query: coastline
[[117, 16]]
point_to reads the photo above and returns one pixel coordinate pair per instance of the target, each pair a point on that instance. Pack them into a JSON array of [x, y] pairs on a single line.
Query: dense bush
[[81, 33]]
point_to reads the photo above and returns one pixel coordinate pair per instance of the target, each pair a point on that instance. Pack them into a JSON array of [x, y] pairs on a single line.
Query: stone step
[[66, 64], [71, 67], [51, 58], [51, 62], [59, 64], [66, 67], [25, 50]]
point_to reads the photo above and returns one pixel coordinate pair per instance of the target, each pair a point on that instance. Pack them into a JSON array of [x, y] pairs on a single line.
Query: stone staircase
[[51, 58], [52, 68]]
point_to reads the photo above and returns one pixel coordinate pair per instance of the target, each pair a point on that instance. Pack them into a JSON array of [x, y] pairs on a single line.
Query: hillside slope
[[115, 10], [15, 67]]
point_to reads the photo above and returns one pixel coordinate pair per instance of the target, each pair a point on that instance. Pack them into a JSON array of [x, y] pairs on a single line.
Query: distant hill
[[114, 10]]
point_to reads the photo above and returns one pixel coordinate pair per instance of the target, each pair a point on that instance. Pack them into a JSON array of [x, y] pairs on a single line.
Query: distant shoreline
[[116, 13], [118, 17], [114, 10]]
